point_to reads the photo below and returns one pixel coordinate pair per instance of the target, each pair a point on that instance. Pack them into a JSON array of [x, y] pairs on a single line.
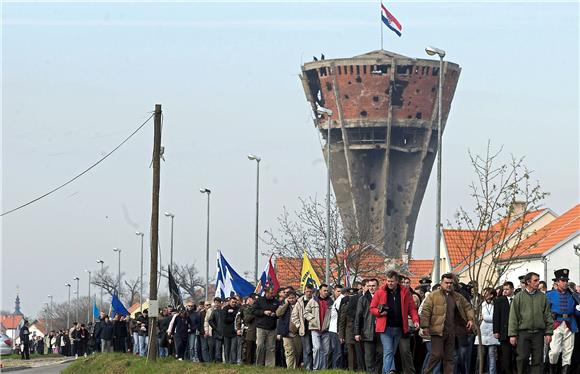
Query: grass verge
[[121, 363]]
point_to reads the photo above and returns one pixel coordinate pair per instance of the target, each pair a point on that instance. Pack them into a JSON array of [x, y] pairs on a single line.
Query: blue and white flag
[[228, 281]]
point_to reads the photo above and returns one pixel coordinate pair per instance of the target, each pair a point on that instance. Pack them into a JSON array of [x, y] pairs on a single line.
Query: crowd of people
[[449, 327]]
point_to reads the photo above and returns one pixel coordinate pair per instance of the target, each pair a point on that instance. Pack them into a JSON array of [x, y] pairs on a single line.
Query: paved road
[[49, 369]]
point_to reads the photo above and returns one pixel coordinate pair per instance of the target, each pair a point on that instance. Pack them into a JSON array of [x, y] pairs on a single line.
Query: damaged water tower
[[383, 137]]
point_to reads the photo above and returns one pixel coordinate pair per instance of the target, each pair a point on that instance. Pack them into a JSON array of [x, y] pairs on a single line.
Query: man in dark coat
[[501, 315], [364, 329], [25, 341], [162, 337], [222, 322], [180, 328], [106, 334]]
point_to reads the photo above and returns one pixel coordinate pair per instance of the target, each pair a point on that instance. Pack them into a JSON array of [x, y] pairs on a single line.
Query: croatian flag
[[390, 20], [267, 279]]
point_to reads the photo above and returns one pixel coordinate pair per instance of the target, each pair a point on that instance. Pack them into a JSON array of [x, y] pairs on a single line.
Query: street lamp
[[50, 297], [172, 216], [118, 250], [89, 304], [321, 110], [432, 51], [208, 192], [78, 304], [102, 264], [257, 159], [68, 310], [139, 233]]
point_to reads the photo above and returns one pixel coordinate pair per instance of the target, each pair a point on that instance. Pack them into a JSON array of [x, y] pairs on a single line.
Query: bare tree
[[131, 292], [188, 279], [103, 278], [505, 201], [304, 230]]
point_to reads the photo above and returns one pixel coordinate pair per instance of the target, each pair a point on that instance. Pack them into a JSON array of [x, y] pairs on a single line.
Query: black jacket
[[283, 313], [501, 316], [263, 321], [24, 335], [106, 330], [120, 329], [144, 320], [195, 321], [163, 326], [181, 327], [222, 322], [364, 321]]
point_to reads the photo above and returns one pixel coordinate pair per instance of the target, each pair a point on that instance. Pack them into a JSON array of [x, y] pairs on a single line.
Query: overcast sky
[[78, 78]]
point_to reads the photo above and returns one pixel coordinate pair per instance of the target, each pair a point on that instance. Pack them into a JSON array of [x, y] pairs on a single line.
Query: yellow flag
[[308, 274]]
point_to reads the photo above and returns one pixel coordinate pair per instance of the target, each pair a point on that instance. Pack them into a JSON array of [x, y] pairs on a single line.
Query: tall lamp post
[[118, 250], [50, 297], [90, 304], [139, 233], [172, 216], [257, 159], [328, 112], [208, 192], [68, 310], [432, 51], [102, 265], [78, 304]]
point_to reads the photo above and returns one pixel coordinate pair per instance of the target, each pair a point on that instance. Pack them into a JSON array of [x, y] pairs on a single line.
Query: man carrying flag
[[308, 275]]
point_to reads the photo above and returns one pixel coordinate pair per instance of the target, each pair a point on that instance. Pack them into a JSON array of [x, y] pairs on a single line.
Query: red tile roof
[[370, 265], [461, 244], [419, 269], [548, 236], [10, 321]]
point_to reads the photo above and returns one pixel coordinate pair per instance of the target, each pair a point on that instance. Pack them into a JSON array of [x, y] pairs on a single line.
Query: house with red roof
[[471, 253], [550, 248], [363, 262]]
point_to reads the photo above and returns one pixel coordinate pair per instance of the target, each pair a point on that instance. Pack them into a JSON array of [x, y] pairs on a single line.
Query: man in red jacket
[[392, 305]]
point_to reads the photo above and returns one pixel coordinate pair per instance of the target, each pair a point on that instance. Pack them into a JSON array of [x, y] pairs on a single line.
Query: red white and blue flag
[[346, 271], [267, 279], [390, 20]]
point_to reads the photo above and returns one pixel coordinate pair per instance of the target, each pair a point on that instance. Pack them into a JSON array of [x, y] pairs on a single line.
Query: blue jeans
[[437, 369], [390, 340], [135, 343], [491, 352], [336, 349], [307, 350], [192, 342], [463, 348], [143, 343], [162, 351], [320, 344]]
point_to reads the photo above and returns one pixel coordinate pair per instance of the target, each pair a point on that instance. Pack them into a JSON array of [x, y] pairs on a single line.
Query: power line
[[80, 174]]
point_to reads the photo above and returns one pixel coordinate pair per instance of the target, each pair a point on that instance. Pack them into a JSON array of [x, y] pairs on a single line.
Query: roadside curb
[[16, 368]]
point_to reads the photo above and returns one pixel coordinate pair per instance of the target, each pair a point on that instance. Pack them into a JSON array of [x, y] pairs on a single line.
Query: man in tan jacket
[[443, 311], [299, 322]]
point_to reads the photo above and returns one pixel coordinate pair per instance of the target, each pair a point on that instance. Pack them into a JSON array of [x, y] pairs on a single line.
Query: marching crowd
[[389, 328]]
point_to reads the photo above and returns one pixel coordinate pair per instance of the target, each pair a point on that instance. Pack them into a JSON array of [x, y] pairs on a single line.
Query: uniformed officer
[[563, 306]]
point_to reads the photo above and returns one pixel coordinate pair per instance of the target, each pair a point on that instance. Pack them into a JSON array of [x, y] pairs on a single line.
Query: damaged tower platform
[[383, 137]]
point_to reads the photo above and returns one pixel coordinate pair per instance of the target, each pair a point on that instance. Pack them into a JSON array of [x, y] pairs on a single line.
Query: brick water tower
[[383, 137]]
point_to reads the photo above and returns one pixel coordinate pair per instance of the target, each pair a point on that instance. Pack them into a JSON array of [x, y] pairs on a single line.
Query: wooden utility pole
[[153, 304]]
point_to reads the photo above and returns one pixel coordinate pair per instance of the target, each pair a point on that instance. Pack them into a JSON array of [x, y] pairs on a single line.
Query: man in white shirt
[[335, 343]]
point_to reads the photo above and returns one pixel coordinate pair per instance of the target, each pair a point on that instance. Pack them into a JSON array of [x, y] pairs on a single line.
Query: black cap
[[425, 280], [561, 274], [521, 278]]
